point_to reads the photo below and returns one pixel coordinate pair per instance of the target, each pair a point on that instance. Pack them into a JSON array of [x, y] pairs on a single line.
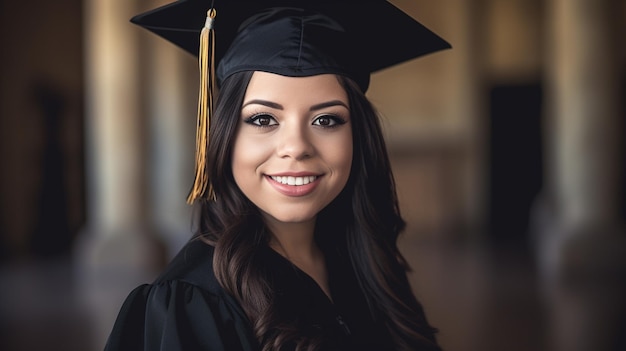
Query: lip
[[294, 190], [295, 174]]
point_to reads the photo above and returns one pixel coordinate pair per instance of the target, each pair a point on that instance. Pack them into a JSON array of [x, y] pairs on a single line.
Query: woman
[[296, 242]]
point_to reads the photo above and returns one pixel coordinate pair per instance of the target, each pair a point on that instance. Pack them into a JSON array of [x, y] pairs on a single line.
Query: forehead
[[282, 89]]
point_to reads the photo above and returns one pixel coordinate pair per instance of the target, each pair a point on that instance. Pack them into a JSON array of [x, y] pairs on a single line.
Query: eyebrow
[[280, 107], [328, 104], [264, 103]]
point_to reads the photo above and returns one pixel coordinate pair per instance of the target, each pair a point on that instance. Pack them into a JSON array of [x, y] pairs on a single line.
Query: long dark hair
[[365, 218]]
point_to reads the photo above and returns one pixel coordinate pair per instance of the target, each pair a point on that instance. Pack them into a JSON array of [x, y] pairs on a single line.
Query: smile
[[294, 186], [297, 181]]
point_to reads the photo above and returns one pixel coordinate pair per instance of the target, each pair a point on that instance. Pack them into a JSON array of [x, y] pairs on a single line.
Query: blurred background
[[508, 151]]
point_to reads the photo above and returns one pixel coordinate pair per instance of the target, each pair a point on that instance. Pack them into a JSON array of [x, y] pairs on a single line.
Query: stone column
[[469, 111], [583, 243], [172, 96], [584, 87], [116, 251]]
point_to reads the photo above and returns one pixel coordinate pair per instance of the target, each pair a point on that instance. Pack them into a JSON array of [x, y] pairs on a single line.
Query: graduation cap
[[295, 38]]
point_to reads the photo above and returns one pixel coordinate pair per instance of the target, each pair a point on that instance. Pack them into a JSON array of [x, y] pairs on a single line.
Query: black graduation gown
[[187, 309]]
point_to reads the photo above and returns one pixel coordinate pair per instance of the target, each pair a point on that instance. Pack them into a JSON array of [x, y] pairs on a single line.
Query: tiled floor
[[39, 308], [481, 299]]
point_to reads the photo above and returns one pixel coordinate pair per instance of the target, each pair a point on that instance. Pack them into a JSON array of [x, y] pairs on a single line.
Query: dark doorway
[[515, 157], [42, 182]]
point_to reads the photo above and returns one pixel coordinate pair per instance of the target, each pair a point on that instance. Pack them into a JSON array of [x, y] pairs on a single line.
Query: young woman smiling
[[296, 242]]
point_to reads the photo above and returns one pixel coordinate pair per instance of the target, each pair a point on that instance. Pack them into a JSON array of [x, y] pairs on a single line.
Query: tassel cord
[[202, 184]]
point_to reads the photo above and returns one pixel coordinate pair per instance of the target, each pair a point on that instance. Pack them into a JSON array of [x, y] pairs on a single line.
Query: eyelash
[[252, 120], [333, 118]]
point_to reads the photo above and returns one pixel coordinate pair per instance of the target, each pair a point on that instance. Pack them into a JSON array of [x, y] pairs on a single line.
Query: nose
[[294, 142]]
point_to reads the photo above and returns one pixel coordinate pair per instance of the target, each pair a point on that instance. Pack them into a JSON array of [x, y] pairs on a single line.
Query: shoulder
[[185, 306], [192, 265], [188, 283]]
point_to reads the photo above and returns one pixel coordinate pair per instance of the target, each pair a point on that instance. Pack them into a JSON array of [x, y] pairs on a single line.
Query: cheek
[[340, 154], [247, 156], [241, 158]]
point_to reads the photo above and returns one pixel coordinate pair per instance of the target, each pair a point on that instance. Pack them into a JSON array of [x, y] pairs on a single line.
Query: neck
[[295, 241]]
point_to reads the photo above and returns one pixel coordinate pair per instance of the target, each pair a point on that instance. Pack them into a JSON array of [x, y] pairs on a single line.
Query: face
[[293, 148]]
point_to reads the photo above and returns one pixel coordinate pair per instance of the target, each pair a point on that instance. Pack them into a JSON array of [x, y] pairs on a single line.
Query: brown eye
[[328, 121], [324, 121], [262, 120]]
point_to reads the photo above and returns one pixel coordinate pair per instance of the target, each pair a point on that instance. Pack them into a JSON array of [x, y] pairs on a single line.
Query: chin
[[291, 218]]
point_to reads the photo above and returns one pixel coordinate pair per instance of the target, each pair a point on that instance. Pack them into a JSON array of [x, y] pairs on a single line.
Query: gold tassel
[[206, 58]]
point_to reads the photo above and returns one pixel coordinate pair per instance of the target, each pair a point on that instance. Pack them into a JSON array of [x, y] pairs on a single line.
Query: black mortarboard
[[293, 38], [349, 37]]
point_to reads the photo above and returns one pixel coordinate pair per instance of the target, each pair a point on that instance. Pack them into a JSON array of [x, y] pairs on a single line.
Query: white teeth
[[289, 180]]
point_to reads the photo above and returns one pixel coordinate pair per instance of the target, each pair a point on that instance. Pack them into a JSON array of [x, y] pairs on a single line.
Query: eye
[[262, 120], [328, 121]]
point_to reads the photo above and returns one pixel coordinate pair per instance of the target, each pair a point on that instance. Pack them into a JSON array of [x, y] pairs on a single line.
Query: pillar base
[[584, 284], [107, 267]]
